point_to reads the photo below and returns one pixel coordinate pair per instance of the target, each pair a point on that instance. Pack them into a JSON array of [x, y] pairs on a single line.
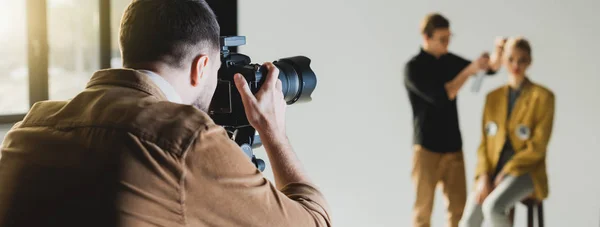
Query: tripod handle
[[259, 163]]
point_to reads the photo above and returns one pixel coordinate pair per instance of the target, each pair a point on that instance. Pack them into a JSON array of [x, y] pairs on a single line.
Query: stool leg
[[530, 215], [511, 216], [540, 211]]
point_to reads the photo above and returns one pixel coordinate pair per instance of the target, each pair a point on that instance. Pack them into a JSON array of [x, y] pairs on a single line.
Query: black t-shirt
[[435, 116]]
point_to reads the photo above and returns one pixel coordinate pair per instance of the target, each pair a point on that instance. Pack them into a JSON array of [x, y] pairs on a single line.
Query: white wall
[[355, 137]]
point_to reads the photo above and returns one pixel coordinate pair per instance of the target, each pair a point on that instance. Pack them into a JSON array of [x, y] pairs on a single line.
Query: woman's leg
[[472, 215], [509, 192]]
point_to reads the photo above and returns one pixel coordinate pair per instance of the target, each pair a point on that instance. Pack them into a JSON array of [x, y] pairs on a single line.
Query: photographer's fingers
[[272, 74], [279, 85], [245, 92]]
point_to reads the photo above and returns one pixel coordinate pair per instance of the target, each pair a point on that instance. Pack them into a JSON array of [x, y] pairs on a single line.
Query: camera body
[[226, 108]]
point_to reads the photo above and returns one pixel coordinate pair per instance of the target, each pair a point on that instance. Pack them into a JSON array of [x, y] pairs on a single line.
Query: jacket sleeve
[[483, 164], [224, 188], [535, 148], [415, 82]]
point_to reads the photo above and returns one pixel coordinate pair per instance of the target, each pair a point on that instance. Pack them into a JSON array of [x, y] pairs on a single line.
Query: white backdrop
[[355, 136]]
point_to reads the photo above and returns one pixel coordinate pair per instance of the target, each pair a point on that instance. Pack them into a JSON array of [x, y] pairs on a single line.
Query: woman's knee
[[492, 209]]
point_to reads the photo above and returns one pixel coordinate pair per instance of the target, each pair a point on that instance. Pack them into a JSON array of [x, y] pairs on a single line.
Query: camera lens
[[297, 79]]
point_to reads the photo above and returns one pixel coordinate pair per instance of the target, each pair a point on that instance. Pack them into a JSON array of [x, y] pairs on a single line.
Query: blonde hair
[[520, 43]]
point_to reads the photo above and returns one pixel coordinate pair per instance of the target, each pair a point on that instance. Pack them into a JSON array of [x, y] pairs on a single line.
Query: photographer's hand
[[266, 113], [265, 110]]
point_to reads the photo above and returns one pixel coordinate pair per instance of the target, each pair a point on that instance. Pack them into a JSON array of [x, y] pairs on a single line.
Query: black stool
[[531, 204]]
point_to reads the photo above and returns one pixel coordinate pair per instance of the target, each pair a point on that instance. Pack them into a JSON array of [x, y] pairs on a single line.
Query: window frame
[[38, 50]]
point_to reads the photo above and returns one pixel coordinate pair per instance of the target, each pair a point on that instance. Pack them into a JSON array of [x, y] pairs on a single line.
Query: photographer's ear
[[199, 69]]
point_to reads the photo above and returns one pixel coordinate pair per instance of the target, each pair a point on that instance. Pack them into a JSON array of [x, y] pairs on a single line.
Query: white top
[[164, 86]]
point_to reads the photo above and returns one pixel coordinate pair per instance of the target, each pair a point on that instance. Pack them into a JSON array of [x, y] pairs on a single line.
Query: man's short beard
[[201, 104]]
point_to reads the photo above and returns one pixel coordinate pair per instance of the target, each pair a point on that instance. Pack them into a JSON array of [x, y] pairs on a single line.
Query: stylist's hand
[[499, 43], [499, 179], [265, 110], [479, 64], [483, 61]]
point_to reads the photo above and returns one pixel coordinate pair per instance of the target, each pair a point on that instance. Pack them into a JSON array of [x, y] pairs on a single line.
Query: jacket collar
[[522, 103], [426, 55], [525, 85], [167, 89], [126, 78]]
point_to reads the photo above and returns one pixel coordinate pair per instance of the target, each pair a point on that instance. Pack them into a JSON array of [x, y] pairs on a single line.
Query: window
[[49, 49], [117, 8], [77, 46], [74, 53], [14, 83]]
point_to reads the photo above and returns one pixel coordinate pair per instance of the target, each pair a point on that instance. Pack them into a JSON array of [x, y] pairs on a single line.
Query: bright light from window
[[10, 11], [14, 87], [55, 3]]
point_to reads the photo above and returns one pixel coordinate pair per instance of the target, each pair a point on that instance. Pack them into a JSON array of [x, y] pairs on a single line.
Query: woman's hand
[[498, 179], [485, 188]]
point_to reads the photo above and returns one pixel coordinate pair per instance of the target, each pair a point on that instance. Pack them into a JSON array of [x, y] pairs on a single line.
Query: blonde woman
[[517, 124]]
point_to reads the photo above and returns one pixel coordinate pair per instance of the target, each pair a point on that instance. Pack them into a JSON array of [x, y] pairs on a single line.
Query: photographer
[[137, 148]]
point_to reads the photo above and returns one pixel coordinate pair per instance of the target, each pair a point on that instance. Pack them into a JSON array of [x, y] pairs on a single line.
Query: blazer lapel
[[522, 103], [503, 106]]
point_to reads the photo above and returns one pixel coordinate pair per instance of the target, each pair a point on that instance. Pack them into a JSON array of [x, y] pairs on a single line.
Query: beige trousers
[[431, 169]]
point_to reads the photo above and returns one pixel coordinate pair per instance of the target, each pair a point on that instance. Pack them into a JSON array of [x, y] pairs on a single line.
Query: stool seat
[[531, 204]]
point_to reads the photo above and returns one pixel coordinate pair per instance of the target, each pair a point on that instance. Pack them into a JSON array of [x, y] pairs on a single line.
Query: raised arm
[[223, 188], [239, 194], [496, 59], [454, 86]]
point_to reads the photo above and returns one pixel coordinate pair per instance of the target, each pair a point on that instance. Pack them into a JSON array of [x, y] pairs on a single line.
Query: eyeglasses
[[445, 39]]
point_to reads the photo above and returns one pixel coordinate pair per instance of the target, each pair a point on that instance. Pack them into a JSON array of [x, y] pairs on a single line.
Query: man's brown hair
[[433, 21], [171, 31]]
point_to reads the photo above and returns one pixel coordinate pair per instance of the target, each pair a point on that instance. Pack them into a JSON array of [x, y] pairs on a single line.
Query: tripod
[[246, 138]]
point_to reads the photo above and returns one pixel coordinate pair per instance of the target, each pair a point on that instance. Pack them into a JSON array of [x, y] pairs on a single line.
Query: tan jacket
[[529, 129], [119, 154]]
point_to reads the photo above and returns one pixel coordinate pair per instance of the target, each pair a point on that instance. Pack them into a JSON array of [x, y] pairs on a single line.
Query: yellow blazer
[[529, 129]]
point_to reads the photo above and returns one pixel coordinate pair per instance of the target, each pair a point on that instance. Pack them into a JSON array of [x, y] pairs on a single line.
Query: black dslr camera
[[226, 108]]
